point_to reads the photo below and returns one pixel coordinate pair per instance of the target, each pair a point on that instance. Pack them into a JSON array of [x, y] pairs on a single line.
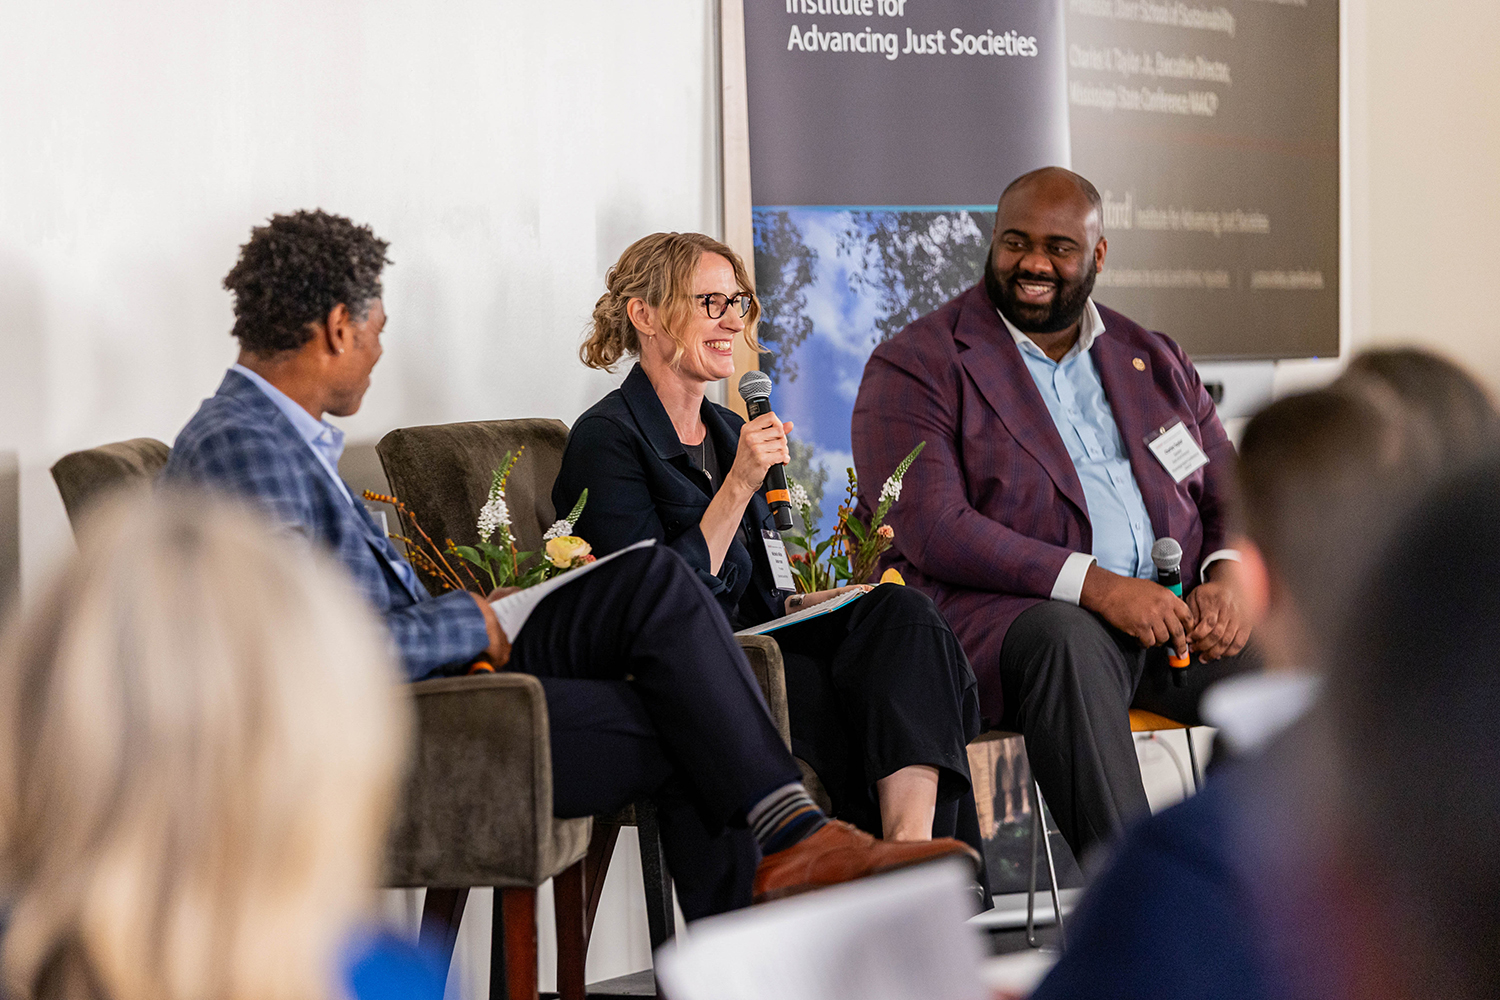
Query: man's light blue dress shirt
[[327, 444], [1123, 535]]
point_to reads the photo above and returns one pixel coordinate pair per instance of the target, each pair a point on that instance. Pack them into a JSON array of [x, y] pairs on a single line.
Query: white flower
[[891, 490], [799, 495], [493, 515], [560, 529]]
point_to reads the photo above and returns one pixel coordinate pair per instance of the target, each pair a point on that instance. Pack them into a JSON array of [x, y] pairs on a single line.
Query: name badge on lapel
[[1176, 450], [781, 566]]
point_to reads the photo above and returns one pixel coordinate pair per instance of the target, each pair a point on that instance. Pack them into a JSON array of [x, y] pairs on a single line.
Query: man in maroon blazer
[[1031, 514]]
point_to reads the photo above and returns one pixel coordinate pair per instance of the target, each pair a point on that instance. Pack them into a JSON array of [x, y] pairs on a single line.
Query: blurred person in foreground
[[201, 736], [1215, 896], [1458, 410], [648, 692], [1405, 881], [883, 702]]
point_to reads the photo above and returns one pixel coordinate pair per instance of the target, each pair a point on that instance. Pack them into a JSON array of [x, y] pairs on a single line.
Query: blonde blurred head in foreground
[[200, 739]]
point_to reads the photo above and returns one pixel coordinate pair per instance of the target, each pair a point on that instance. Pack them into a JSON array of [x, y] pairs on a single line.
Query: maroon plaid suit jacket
[[993, 506]]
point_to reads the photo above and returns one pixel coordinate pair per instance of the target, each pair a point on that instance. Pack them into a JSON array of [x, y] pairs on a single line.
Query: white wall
[[509, 151], [1433, 111]]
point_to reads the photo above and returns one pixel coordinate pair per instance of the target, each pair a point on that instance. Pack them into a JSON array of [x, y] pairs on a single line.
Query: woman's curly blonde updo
[[658, 269]]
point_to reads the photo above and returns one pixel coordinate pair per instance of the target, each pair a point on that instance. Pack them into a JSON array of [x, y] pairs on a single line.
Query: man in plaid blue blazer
[[648, 693], [250, 439]]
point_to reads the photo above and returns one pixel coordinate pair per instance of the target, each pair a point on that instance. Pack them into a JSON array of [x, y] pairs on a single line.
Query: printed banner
[[882, 132]]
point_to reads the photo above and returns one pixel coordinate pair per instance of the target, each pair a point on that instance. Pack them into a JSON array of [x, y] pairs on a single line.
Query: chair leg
[[572, 941], [1192, 756], [513, 945], [442, 911], [1036, 819], [1051, 870], [595, 868], [659, 916]]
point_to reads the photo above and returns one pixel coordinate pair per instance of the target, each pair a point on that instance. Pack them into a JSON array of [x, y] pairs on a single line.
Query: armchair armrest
[[770, 672], [477, 808]]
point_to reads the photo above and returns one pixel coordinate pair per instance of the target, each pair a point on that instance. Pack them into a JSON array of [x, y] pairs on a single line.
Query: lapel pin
[[1140, 365]]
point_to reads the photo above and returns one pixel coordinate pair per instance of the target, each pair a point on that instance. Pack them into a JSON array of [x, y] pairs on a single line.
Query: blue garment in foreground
[[383, 967], [1170, 916]]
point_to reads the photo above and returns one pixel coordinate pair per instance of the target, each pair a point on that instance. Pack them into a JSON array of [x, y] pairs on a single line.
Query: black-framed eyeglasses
[[716, 304]]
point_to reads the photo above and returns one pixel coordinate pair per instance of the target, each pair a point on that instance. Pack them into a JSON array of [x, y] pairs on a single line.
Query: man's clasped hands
[[1212, 621]]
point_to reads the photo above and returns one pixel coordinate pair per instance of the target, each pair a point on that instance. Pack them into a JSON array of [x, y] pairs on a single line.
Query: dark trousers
[[1070, 680], [878, 685], [649, 695]]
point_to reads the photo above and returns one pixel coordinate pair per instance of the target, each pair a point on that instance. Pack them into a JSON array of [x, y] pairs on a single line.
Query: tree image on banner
[[783, 271], [913, 262], [833, 284]]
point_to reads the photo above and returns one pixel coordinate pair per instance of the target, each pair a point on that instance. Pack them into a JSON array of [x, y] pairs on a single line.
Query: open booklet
[[891, 937], [513, 611], [832, 604]]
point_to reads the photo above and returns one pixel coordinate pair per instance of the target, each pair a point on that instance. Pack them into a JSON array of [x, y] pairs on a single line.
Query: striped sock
[[785, 817]]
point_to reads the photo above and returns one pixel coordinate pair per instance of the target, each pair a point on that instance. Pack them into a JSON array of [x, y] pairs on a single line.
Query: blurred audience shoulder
[[1435, 390], [1323, 477], [1295, 872], [1412, 702], [201, 737], [1326, 475]]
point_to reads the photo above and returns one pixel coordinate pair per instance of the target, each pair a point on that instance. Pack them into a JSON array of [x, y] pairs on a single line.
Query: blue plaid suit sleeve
[[228, 451], [441, 632], [903, 402]]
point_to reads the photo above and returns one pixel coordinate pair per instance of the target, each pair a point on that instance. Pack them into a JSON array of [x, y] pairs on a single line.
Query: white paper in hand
[[513, 611], [895, 937]]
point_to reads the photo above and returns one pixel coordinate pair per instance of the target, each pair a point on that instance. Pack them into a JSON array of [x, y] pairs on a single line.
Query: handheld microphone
[[755, 390], [1167, 555]]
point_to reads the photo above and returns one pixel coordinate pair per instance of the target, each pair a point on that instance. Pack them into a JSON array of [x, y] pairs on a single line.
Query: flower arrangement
[[495, 555], [851, 552]]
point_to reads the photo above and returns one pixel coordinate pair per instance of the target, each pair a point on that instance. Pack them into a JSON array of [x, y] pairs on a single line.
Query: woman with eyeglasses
[[881, 696]]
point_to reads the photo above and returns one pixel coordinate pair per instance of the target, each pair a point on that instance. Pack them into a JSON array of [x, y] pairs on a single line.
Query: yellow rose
[[891, 576], [563, 552]]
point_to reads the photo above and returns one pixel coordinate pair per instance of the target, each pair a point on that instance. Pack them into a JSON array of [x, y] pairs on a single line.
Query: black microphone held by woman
[[755, 390]]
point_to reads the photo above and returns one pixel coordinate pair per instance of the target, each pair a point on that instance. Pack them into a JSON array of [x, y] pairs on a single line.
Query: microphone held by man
[[1167, 555]]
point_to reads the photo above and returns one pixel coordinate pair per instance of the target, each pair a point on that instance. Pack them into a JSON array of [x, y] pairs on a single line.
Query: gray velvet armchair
[[442, 473], [478, 805], [84, 478]]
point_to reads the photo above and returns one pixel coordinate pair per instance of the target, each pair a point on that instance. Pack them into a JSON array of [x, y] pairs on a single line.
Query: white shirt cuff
[[1069, 585], [1214, 557]]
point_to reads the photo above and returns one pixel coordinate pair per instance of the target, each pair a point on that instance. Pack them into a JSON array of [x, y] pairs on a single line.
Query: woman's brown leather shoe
[[842, 853]]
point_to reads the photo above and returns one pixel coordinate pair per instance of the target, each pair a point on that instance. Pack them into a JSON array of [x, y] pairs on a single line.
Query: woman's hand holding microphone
[[762, 445]]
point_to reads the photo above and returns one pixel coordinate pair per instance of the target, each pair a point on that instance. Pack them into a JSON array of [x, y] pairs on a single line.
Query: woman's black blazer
[[626, 453]]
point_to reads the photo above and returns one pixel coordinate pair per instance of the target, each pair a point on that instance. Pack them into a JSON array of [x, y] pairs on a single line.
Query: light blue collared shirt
[[327, 444], [1122, 530]]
